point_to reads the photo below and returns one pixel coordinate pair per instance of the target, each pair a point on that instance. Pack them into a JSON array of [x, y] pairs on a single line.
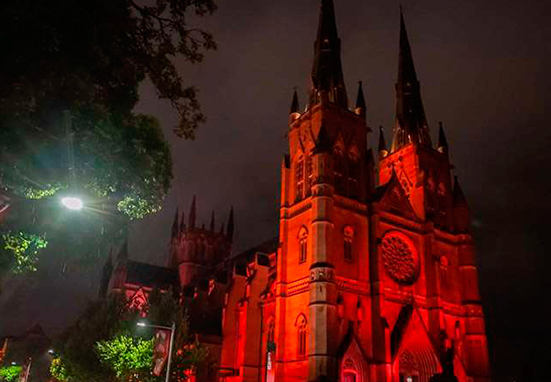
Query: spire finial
[[360, 101], [458, 195], [230, 229], [383, 152], [192, 214], [182, 222], [327, 77], [411, 125], [212, 222], [294, 103], [175, 225], [442, 141]]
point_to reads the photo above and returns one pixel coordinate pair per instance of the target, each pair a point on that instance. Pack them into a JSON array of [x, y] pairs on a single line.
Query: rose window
[[399, 258]]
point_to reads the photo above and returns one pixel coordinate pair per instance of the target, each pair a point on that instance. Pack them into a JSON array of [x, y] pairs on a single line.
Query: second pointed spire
[[192, 214], [411, 124], [327, 77]]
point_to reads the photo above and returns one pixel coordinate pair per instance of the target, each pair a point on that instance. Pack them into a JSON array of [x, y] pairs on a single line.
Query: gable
[[392, 198], [413, 350], [352, 359]]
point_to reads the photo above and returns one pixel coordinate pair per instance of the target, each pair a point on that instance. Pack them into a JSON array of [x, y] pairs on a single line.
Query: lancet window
[[444, 264], [340, 186], [303, 245], [348, 239], [301, 324], [309, 175], [352, 172], [299, 178]]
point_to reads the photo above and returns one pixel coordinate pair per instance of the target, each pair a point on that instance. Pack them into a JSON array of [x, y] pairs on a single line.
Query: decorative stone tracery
[[399, 257]]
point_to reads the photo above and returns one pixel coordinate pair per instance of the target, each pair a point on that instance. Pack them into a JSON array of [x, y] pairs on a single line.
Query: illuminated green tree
[[10, 373], [105, 344], [127, 356]]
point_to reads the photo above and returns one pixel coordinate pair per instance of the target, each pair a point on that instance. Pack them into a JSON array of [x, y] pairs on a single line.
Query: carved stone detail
[[399, 257]]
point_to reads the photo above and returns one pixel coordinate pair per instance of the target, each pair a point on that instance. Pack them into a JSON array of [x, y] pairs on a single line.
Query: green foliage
[[58, 370], [10, 373], [86, 60], [23, 248], [126, 355], [105, 344], [45, 191]]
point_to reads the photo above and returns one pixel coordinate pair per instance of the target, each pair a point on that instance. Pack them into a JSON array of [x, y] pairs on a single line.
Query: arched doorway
[[353, 367], [417, 365], [349, 371]]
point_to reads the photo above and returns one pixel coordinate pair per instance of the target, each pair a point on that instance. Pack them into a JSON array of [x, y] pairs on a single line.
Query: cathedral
[[372, 277]]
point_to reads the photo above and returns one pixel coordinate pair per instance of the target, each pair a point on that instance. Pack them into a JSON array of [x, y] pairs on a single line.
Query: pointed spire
[[175, 225], [442, 141], [360, 101], [294, 113], [461, 214], [458, 195], [212, 222], [327, 77], [192, 214], [323, 141], [230, 229], [182, 222], [383, 152], [411, 124], [294, 103]]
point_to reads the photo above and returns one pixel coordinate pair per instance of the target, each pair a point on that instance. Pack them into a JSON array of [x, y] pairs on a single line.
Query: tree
[[127, 356], [69, 79], [10, 373], [105, 344]]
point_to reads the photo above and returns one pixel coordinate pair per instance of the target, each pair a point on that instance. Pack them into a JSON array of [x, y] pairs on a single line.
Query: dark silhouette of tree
[[69, 79]]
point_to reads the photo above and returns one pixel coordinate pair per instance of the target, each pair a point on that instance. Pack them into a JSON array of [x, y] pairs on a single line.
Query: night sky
[[484, 68]]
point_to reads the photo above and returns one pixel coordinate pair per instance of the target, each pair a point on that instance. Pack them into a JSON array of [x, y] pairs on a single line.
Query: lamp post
[[172, 330]]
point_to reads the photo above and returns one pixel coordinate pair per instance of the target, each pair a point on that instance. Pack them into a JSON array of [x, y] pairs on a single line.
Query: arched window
[[444, 264], [271, 331], [309, 175], [339, 173], [299, 179], [303, 245], [301, 324], [348, 239], [353, 172]]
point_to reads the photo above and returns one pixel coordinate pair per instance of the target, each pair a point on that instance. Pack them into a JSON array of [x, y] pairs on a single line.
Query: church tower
[[424, 280], [373, 283], [323, 267], [199, 253]]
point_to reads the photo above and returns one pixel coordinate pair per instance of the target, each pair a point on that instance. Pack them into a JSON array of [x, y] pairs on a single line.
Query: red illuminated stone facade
[[372, 277]]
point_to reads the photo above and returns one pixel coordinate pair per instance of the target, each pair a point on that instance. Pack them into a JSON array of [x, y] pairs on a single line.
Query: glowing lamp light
[[51, 351], [142, 324], [72, 203]]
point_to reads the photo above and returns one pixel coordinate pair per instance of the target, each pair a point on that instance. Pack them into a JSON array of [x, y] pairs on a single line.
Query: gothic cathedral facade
[[372, 283]]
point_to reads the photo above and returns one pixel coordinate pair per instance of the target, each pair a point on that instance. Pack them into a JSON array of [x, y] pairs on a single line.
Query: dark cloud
[[484, 71]]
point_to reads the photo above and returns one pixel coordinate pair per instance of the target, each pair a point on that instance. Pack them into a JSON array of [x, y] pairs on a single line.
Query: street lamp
[[72, 203], [172, 330]]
